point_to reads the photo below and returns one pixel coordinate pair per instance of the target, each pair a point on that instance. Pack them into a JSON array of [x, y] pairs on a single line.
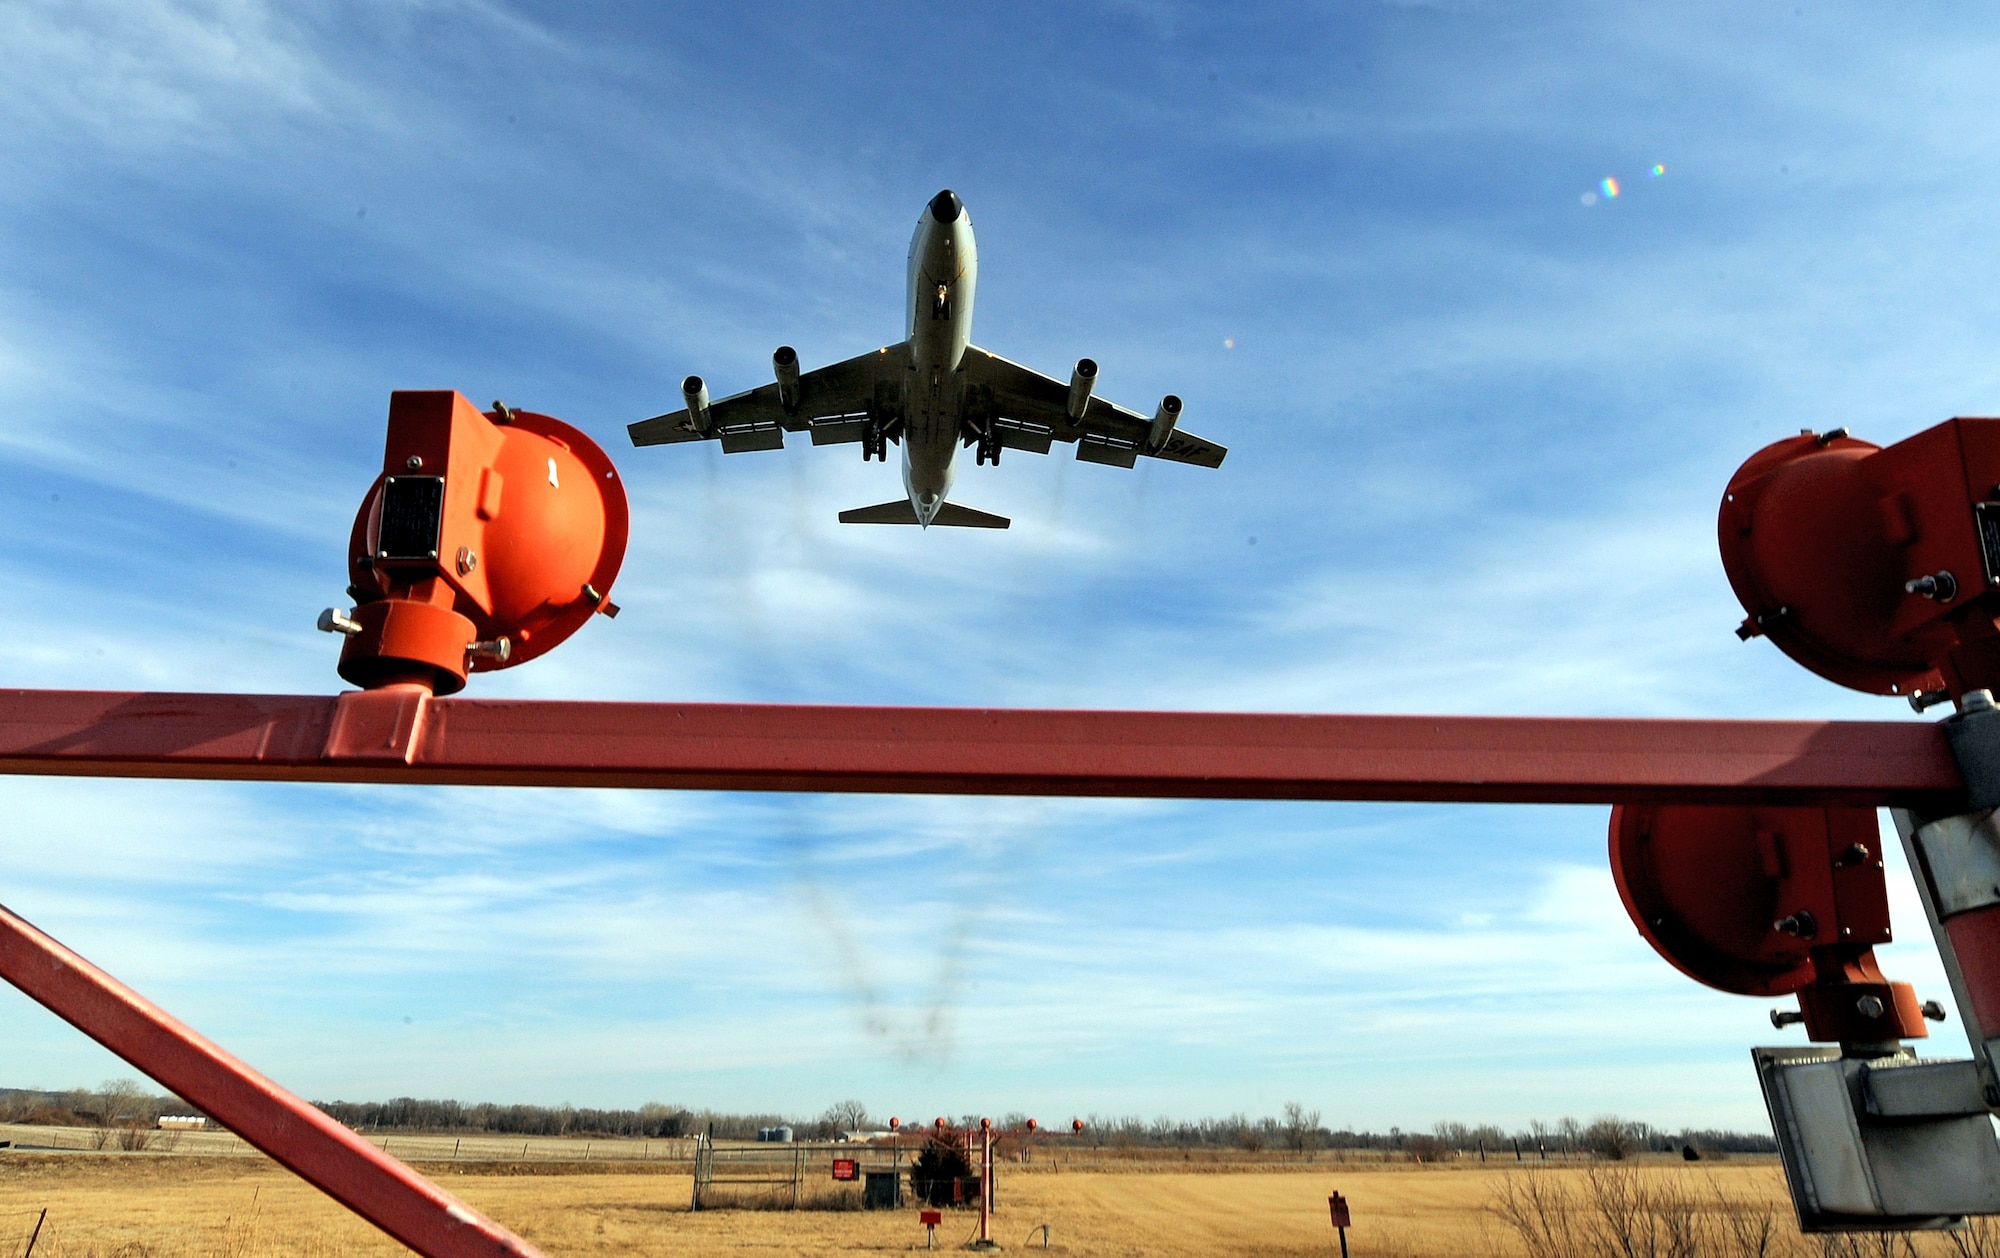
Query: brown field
[[180, 1206]]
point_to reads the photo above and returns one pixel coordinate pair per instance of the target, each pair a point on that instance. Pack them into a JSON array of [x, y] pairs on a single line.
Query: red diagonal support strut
[[403, 736], [329, 1156]]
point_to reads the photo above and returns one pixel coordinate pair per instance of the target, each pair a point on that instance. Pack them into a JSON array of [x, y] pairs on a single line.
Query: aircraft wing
[[834, 404], [1030, 410]]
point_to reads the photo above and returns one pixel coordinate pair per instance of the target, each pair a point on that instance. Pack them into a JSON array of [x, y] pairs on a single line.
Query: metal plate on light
[[412, 517]]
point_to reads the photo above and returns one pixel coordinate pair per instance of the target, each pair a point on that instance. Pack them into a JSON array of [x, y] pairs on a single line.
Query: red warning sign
[[846, 1168]]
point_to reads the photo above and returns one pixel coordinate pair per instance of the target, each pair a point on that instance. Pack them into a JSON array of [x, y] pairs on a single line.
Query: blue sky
[[1478, 430]]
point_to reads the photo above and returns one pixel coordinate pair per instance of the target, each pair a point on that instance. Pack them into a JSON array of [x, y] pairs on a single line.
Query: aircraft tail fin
[[949, 516]]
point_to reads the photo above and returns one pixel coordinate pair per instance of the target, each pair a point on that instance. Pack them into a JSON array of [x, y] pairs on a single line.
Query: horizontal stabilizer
[[953, 516], [950, 516]]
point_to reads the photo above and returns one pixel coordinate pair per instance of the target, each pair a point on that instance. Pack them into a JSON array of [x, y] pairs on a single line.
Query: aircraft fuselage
[[944, 270]]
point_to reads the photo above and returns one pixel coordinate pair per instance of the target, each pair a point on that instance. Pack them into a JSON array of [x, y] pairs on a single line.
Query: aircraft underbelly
[[930, 431]]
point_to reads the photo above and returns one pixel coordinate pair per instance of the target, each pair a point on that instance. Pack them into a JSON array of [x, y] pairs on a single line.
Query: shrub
[[939, 1173]]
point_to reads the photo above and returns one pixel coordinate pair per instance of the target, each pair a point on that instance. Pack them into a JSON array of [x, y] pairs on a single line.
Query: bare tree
[[1613, 1137], [1567, 1131], [126, 1112], [1301, 1128], [847, 1116]]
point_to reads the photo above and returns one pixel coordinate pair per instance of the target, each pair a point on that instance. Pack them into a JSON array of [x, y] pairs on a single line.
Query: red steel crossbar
[[405, 735], [409, 737], [341, 1164]]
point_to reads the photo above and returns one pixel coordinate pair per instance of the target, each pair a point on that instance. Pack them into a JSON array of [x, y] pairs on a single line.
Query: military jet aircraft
[[932, 393]]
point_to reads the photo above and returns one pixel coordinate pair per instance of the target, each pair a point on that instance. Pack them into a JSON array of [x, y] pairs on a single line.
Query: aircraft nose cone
[[946, 207]]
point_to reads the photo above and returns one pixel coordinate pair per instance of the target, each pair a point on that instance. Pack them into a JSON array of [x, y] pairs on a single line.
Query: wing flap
[[839, 430], [1015, 435], [752, 437], [1105, 451]]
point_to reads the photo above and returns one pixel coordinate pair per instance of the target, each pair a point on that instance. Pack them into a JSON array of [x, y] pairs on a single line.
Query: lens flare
[[1588, 198], [1657, 171], [1229, 342], [1609, 187]]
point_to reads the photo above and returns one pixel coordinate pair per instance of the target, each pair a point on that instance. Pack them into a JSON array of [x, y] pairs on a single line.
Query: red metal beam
[[341, 1164], [403, 736]]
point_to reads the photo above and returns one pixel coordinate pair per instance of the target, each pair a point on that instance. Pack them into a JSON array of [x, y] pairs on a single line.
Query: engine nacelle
[[696, 392], [785, 364], [1081, 382], [1164, 420]]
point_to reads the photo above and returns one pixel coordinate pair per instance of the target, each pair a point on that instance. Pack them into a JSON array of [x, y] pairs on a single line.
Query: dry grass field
[[146, 1206]]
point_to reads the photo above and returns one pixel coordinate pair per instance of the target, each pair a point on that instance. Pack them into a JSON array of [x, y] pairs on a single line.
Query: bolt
[[1920, 700], [1869, 1006], [1800, 924], [1941, 586], [498, 650], [1830, 436], [1782, 1018], [334, 620], [468, 559], [1855, 854], [414, 462], [503, 412], [1933, 1010]]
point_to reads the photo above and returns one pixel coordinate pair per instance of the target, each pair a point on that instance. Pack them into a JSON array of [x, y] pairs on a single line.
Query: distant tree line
[[117, 1103], [1296, 1129], [1299, 1130], [652, 1121], [405, 1113]]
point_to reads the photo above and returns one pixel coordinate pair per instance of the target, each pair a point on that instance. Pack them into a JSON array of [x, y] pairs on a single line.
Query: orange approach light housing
[[487, 540], [1876, 568], [1767, 901]]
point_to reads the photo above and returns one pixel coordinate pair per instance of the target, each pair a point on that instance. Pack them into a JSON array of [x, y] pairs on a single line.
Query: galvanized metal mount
[[1880, 1143]]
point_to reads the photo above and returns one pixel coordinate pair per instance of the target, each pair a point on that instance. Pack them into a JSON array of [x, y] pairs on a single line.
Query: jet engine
[[785, 362], [1081, 382], [696, 393], [1164, 420]]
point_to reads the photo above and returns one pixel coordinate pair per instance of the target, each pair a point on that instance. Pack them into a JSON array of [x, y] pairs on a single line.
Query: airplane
[[933, 393]]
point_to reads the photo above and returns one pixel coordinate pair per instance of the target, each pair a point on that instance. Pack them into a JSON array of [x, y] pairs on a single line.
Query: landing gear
[[874, 444], [988, 450]]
